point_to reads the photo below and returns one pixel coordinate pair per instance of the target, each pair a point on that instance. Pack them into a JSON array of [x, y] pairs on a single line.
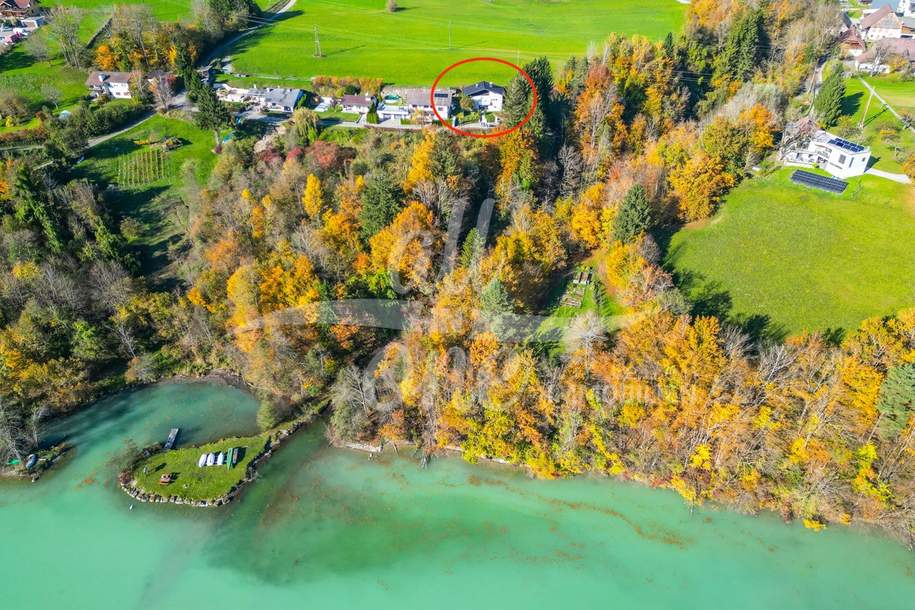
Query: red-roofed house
[[18, 8]]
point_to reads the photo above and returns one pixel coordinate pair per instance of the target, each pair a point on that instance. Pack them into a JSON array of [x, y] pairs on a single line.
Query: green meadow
[[888, 154], [147, 189], [414, 44], [781, 258], [899, 93]]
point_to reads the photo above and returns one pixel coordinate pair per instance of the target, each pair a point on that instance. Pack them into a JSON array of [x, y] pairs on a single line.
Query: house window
[[841, 159]]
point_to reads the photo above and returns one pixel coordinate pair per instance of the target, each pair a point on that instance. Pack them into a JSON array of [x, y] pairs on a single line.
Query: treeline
[[71, 312], [136, 40]]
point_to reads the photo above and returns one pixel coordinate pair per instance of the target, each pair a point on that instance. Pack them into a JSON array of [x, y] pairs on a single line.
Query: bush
[[909, 166], [271, 414]]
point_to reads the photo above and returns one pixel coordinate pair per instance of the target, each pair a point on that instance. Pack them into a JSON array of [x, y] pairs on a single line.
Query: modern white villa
[[815, 147]]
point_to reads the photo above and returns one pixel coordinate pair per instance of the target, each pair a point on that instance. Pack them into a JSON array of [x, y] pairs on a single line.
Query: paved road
[[101, 139], [900, 178]]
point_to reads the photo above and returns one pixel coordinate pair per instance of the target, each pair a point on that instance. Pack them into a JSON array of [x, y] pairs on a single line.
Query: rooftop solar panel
[[819, 182], [845, 144]]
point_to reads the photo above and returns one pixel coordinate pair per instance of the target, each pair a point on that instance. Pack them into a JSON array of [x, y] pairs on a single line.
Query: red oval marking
[[495, 134]]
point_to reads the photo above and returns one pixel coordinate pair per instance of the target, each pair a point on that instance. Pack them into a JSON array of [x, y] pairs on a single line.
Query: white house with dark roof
[[275, 99], [486, 96], [357, 104], [112, 84]]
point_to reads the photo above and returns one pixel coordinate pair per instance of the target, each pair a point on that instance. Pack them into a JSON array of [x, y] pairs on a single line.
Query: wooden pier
[[172, 437]]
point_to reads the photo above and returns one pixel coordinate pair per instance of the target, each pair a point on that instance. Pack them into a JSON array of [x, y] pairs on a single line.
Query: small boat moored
[[211, 459], [220, 459], [202, 461]]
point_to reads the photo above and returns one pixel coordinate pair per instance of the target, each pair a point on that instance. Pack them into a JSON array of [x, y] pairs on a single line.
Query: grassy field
[[554, 329], [149, 179], [781, 258], [411, 46], [192, 482], [21, 74], [900, 94], [96, 12], [877, 119]]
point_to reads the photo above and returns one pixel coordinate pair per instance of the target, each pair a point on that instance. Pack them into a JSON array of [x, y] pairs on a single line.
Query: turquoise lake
[[327, 528]]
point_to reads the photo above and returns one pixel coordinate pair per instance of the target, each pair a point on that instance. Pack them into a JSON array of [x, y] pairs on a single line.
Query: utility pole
[[866, 108], [317, 43]]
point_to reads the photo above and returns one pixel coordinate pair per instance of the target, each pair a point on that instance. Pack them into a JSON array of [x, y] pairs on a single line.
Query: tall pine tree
[[211, 112], [634, 216], [828, 103]]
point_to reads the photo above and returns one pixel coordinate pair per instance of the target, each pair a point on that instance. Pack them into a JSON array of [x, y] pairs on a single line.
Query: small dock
[[172, 437]]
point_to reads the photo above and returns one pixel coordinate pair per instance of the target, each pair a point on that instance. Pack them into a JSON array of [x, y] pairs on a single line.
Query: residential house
[[357, 104], [276, 99], [17, 9], [851, 43], [805, 144], [879, 57], [419, 100], [486, 96], [9, 37], [881, 24], [906, 8], [231, 95], [33, 23], [393, 112], [112, 84]]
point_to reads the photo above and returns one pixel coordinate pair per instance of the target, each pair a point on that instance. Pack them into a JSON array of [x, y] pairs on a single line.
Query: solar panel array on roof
[[845, 144], [819, 182]]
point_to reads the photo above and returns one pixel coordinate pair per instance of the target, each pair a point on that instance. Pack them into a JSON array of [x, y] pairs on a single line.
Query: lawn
[[149, 180], [900, 94], [96, 12], [20, 73], [855, 105], [192, 482], [411, 46], [780, 258], [570, 301]]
